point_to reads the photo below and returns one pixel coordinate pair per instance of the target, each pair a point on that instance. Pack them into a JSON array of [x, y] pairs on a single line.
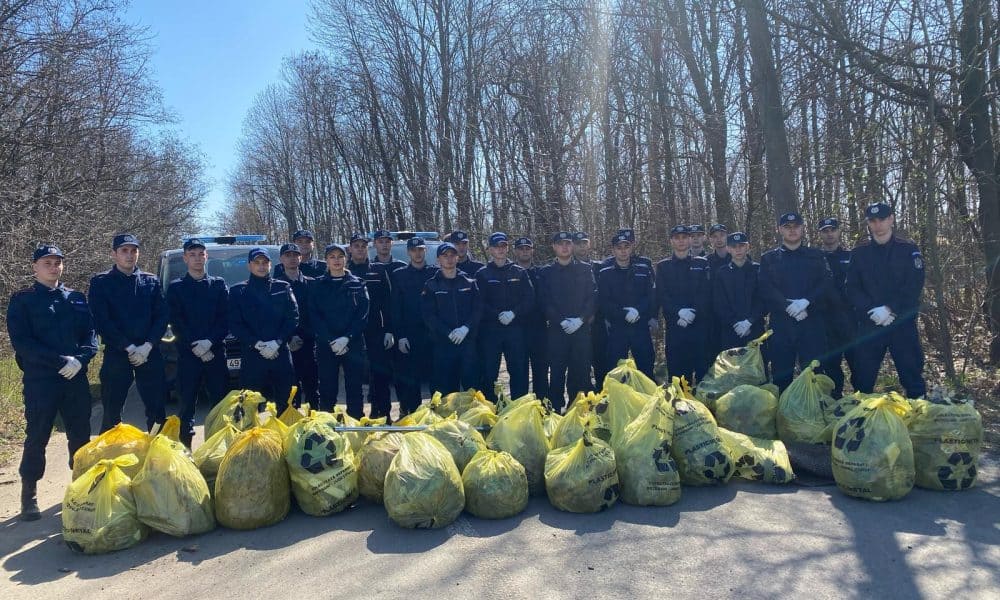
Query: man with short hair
[[52, 333], [717, 238], [625, 292], [841, 326], [736, 299], [696, 234], [452, 309], [130, 315], [378, 334], [198, 304], [682, 294], [413, 339], [534, 323], [302, 344], [263, 315], [795, 283], [310, 266], [884, 282], [382, 238], [466, 262], [508, 298]]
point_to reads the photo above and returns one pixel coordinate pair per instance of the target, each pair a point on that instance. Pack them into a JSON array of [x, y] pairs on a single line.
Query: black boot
[[29, 504]]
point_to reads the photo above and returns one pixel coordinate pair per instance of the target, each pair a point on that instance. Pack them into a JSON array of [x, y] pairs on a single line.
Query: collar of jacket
[[259, 281], [116, 271]]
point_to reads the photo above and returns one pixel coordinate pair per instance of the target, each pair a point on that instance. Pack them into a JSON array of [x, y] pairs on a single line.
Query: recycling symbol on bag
[[662, 459], [324, 457], [951, 477], [749, 461], [850, 445], [611, 495], [714, 460]]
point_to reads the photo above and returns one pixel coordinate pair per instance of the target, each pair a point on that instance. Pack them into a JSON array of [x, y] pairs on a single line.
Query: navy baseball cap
[[879, 210], [46, 250], [737, 238], [416, 242], [828, 222], [255, 252], [562, 236], [498, 238], [696, 228], [446, 247], [331, 247], [381, 233], [624, 235], [290, 248], [303, 233], [581, 236], [357, 235], [790, 217], [679, 230], [718, 227], [523, 241], [124, 239], [457, 236], [193, 243]]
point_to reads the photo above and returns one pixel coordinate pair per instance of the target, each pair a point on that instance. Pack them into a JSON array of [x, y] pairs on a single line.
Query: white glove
[[339, 345], [457, 335], [200, 347], [654, 325], [269, 350], [71, 368], [801, 316], [686, 314], [742, 328], [207, 357], [388, 341], [505, 317], [295, 343], [404, 345], [140, 354], [879, 315], [631, 315], [889, 321], [682, 323], [796, 306]]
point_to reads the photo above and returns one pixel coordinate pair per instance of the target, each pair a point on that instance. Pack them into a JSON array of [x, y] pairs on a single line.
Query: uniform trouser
[[728, 338], [903, 342], [687, 350], [841, 335], [273, 378], [635, 338], [330, 365], [379, 372], [794, 341], [569, 364], [306, 373], [599, 348], [117, 374], [455, 367], [415, 368], [43, 398], [536, 339], [508, 341], [192, 373]]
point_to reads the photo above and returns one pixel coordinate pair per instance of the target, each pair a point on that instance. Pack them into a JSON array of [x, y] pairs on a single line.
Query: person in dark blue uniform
[[841, 325], [599, 326], [309, 265], [718, 238], [625, 292], [466, 262], [52, 333], [654, 320], [567, 293], [696, 234], [338, 315], [382, 239], [302, 344], [884, 282], [739, 308], [378, 334], [534, 322], [263, 315], [794, 283], [413, 339], [682, 294], [130, 315], [199, 318], [452, 309], [508, 299]]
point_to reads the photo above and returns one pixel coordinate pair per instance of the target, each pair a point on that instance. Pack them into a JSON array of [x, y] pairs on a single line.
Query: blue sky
[[210, 59]]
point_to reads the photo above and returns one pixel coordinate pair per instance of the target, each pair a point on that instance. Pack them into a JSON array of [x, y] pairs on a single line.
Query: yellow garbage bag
[[459, 438], [621, 406], [697, 447], [423, 488], [118, 441], [373, 459], [495, 484], [291, 415], [582, 478], [252, 488], [98, 510], [520, 432], [947, 436], [506, 404], [579, 417], [800, 408], [479, 416], [208, 456], [626, 372], [748, 409], [757, 459], [321, 466], [269, 420], [170, 492], [733, 367], [647, 473], [240, 407], [424, 415], [551, 420], [171, 428], [872, 455], [457, 403]]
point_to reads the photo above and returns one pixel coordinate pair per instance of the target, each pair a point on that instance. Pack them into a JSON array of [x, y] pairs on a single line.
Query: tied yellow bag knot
[[238, 407], [118, 441], [582, 478], [98, 510], [495, 484], [872, 455], [423, 488]]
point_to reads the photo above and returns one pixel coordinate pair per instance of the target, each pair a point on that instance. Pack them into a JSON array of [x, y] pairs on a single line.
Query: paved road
[[744, 539]]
